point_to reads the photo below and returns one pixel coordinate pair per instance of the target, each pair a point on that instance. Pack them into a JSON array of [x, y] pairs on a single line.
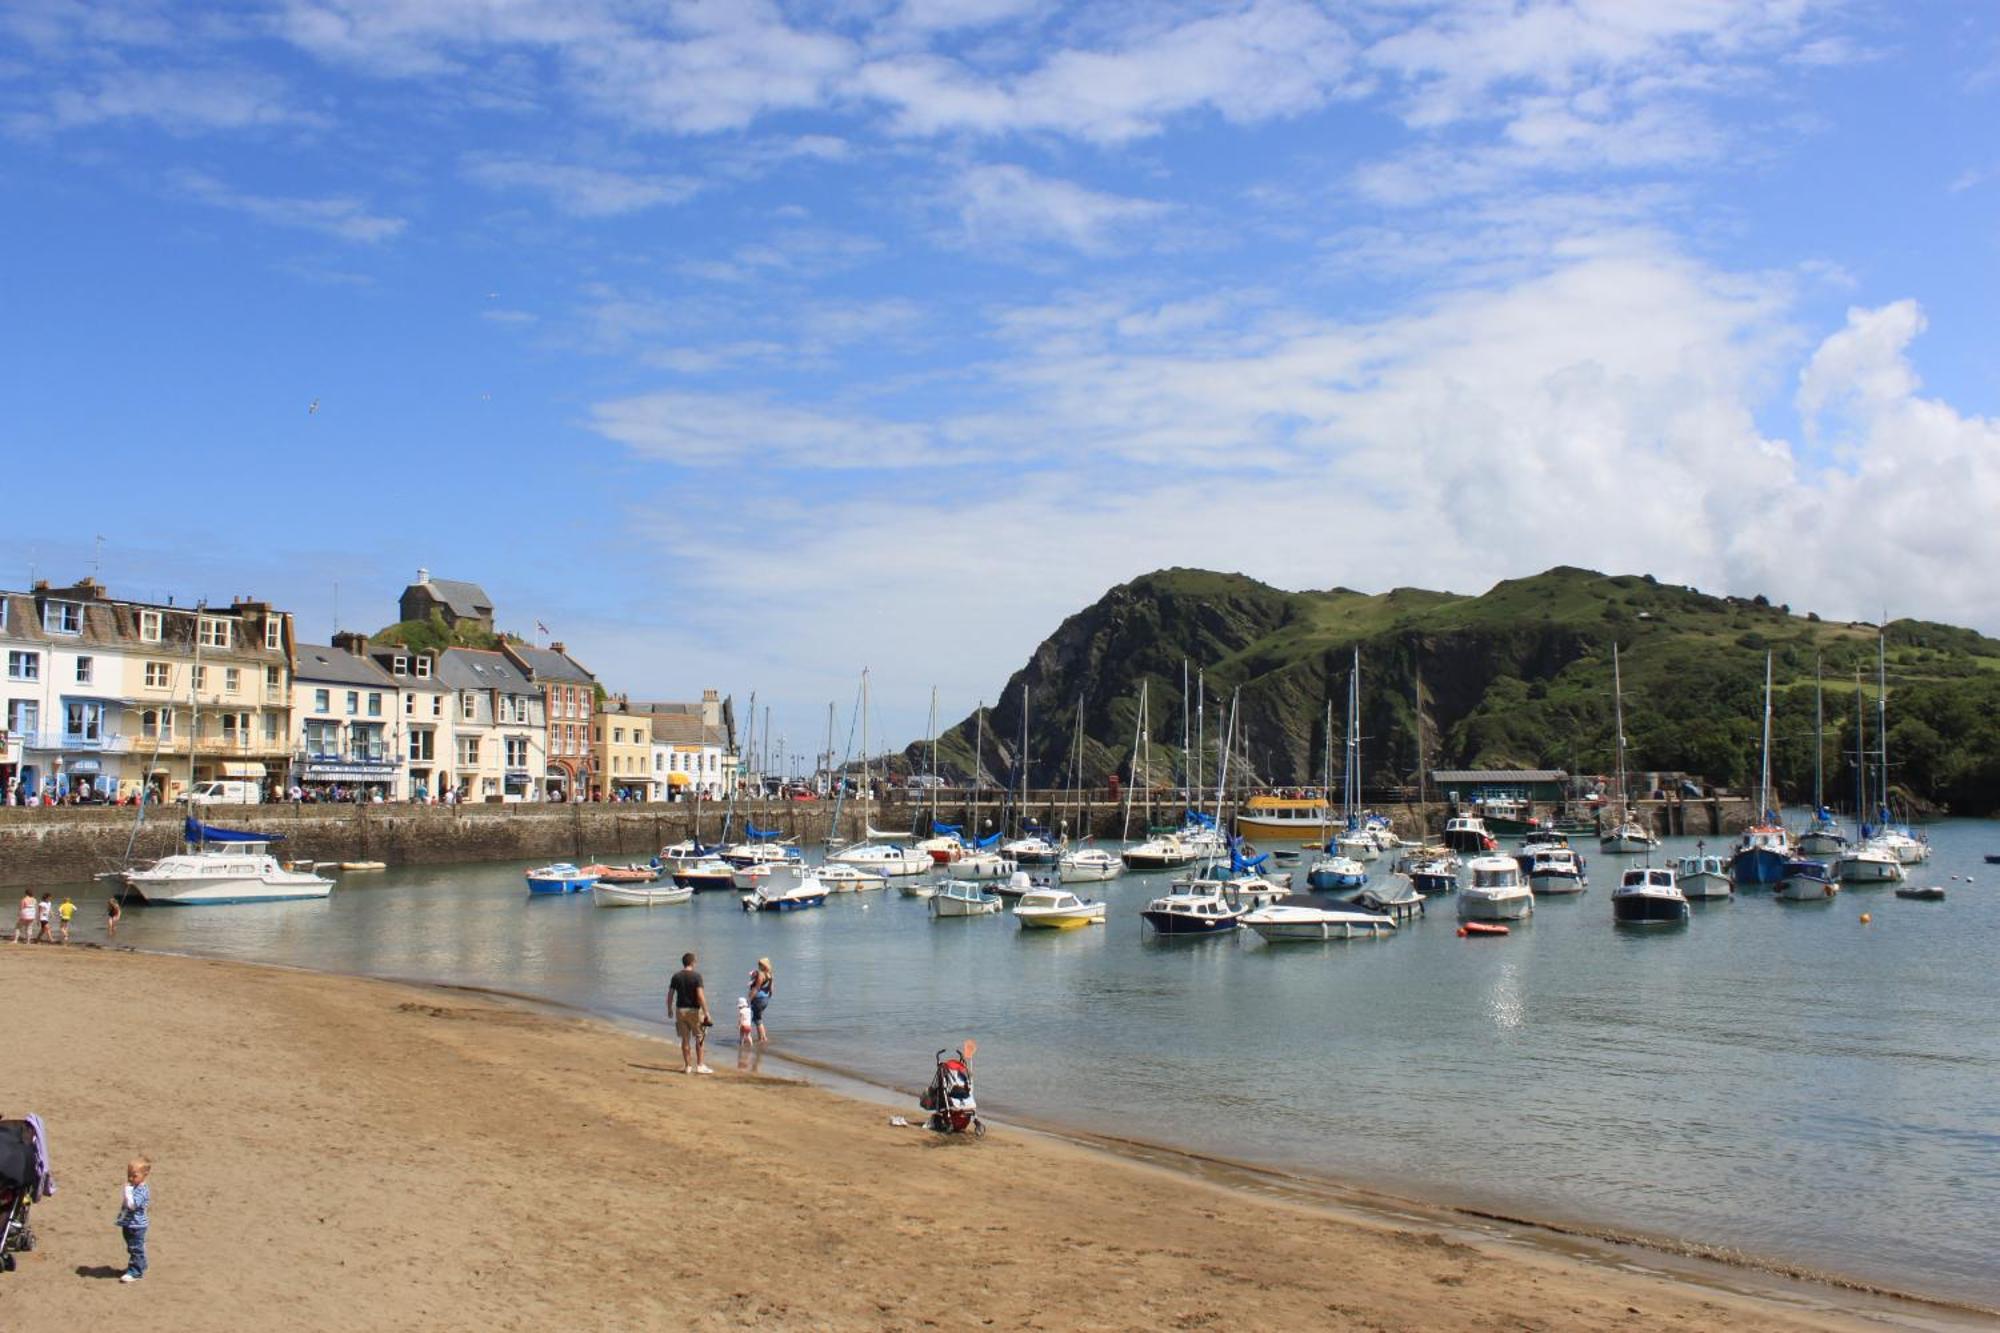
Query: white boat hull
[[1870, 869], [638, 895], [1546, 885], [1278, 924], [1090, 914], [946, 904], [1627, 843], [1475, 905], [1700, 884], [1799, 889], [1088, 874]]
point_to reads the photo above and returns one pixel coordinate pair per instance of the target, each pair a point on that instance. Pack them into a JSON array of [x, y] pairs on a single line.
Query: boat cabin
[[1495, 872], [1657, 878]]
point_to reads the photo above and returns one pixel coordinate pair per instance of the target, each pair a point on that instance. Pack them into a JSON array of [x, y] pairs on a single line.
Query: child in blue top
[[132, 1218]]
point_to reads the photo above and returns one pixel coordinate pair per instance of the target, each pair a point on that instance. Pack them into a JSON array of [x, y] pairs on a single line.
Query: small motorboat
[[982, 866], [364, 865], [625, 874], [1467, 833], [1928, 893], [964, 898], [1168, 852], [1497, 891], [758, 853], [808, 892], [607, 894], [685, 852], [1296, 921], [706, 876], [1627, 839], [1993, 860], [765, 874], [1088, 865], [1398, 902], [1434, 875], [1805, 882], [1480, 930], [917, 888], [1869, 863], [1554, 870], [1056, 909], [559, 877], [885, 858], [1703, 875], [1336, 873], [1648, 896], [1019, 884], [1033, 850], [1192, 910], [850, 879]]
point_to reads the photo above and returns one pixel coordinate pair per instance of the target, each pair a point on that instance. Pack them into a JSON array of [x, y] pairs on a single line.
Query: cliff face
[[1519, 676]]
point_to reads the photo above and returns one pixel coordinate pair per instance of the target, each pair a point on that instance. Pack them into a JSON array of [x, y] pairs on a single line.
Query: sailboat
[[944, 845], [1337, 870], [1822, 837], [1893, 838], [1627, 836], [883, 857], [1865, 862], [1031, 848], [1081, 863], [1161, 851], [1764, 852]]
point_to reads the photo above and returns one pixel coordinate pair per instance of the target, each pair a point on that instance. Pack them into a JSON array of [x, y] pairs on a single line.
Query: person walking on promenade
[[111, 915], [24, 924], [759, 995], [63, 914], [688, 999], [133, 1219], [44, 911]]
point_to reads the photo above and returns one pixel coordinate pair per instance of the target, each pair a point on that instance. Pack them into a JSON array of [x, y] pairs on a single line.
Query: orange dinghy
[[1475, 929]]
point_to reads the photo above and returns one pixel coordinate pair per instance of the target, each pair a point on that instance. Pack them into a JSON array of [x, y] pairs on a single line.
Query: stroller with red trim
[[949, 1099], [24, 1180]]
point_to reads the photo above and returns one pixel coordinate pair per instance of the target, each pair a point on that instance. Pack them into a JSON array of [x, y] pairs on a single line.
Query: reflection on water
[[1732, 1081]]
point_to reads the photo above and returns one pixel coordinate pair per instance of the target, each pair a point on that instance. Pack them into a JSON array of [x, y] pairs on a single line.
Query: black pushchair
[[949, 1098], [24, 1180]]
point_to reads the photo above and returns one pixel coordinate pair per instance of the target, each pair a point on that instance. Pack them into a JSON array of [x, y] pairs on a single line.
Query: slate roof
[[321, 662], [477, 669], [545, 664], [466, 600]]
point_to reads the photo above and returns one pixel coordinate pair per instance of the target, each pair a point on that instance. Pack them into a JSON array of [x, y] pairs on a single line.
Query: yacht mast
[[1882, 716], [1764, 774], [1618, 716]]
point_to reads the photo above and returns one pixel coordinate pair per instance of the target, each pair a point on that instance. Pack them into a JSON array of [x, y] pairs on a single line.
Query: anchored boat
[[220, 866]]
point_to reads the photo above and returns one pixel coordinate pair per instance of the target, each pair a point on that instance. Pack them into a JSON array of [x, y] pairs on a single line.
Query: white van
[[230, 792]]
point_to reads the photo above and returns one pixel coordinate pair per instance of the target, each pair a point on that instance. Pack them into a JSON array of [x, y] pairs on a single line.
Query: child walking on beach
[[25, 923], [132, 1218]]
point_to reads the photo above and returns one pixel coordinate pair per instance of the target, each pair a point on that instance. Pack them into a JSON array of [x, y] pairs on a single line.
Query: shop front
[[345, 778]]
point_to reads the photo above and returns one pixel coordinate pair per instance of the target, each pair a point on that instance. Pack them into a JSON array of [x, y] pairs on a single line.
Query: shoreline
[[1799, 1291]]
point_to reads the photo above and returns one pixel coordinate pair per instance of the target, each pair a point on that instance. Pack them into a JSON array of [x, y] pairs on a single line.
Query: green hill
[[1519, 676]]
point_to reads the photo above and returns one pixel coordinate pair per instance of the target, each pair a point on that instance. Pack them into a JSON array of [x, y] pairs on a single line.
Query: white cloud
[[1007, 206], [714, 430], [340, 216], [180, 101], [578, 190]]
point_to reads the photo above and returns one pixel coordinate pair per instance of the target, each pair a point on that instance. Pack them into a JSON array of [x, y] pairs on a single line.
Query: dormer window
[[215, 632], [274, 633], [62, 618], [149, 627], [402, 665], [423, 668]]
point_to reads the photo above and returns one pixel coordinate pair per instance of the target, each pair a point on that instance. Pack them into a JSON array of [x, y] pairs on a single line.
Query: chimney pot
[[423, 575]]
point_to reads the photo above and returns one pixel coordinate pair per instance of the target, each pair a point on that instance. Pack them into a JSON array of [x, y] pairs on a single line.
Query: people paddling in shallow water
[[111, 914], [759, 995]]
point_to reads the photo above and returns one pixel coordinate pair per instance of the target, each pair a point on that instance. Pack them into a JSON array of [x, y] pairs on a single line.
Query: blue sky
[[749, 344]]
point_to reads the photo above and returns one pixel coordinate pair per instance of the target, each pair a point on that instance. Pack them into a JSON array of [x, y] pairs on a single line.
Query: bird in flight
[[313, 410]]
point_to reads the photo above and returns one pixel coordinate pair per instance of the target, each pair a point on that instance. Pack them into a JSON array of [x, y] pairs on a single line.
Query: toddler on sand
[[132, 1218]]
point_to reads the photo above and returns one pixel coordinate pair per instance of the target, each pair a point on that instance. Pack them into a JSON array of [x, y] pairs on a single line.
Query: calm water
[[1774, 1077]]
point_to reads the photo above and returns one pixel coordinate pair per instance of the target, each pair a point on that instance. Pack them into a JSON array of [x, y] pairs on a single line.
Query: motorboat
[[884, 858], [1806, 882], [1033, 850], [1508, 816], [1822, 838], [1648, 895], [764, 875], [1333, 874], [1358, 845], [218, 866], [1703, 875], [943, 849], [1541, 840], [1283, 922], [625, 874], [1762, 855], [1869, 863], [1495, 890], [1437, 875], [1088, 865], [964, 898], [706, 876], [1555, 870], [808, 892], [687, 851], [982, 865], [1192, 911], [607, 894], [1900, 844], [1467, 833], [1290, 818], [1928, 893], [1245, 890], [761, 853], [1169, 851], [1397, 901], [1056, 909], [1019, 884], [850, 879], [559, 877], [1627, 838]]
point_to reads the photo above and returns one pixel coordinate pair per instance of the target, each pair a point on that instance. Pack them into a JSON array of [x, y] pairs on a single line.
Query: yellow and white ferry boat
[[1283, 817]]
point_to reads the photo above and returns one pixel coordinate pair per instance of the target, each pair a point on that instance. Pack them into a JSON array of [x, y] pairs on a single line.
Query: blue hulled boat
[[561, 877]]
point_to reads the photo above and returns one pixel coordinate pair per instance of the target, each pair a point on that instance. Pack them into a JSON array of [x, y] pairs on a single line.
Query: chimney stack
[[350, 642], [423, 577], [556, 647]]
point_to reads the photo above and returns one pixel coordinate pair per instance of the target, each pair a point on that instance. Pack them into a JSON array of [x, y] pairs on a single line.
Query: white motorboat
[[761, 853], [1648, 895], [1169, 851], [786, 897], [1467, 833], [1088, 865], [982, 866], [1245, 890], [1495, 891], [1193, 910], [964, 898], [1555, 870], [639, 895], [223, 866], [1033, 850], [1056, 909], [1869, 863], [1806, 882], [889, 859], [1703, 875], [850, 879], [1285, 921], [1627, 839], [685, 852], [1358, 845], [1906, 849]]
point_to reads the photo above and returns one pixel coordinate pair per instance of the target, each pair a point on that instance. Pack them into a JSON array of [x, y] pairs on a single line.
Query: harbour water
[[1778, 1079]]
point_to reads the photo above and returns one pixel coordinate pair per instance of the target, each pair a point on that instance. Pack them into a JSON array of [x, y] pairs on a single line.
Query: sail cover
[[196, 831], [756, 834]]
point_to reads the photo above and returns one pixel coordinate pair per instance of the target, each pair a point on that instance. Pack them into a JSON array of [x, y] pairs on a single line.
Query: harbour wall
[[61, 845]]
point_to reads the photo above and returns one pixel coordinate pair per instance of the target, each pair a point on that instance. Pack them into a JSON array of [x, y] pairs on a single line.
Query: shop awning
[[678, 779], [231, 769]]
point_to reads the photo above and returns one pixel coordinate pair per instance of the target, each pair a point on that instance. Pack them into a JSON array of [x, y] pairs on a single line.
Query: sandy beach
[[337, 1153]]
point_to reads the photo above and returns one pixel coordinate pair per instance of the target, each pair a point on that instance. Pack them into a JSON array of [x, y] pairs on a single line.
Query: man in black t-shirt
[[687, 1001]]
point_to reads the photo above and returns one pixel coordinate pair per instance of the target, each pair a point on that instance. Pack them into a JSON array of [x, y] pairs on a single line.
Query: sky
[[750, 344]]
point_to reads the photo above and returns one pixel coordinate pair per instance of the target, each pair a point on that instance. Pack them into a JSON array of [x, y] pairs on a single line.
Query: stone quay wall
[[63, 845]]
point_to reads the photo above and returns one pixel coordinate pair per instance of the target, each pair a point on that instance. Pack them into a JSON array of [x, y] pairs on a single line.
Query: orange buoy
[[1865, 918]]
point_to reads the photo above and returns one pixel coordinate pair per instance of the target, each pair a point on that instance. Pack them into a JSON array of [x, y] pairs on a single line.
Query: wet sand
[[340, 1153]]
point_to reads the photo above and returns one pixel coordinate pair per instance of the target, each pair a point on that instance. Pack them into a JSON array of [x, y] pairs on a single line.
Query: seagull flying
[[314, 409]]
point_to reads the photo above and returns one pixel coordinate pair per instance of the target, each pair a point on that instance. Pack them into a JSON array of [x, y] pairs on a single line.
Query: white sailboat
[[1627, 836]]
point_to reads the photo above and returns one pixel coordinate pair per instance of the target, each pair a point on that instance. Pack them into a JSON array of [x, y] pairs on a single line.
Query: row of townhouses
[[113, 699]]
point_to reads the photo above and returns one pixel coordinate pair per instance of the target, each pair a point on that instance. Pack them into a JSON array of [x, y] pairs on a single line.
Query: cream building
[[621, 742], [498, 728], [347, 722]]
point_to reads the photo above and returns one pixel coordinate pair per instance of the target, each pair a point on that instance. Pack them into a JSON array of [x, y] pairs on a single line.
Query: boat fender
[[1462, 932]]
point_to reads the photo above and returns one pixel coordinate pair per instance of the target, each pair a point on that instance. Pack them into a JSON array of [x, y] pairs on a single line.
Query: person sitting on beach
[[133, 1219], [25, 923], [688, 1000]]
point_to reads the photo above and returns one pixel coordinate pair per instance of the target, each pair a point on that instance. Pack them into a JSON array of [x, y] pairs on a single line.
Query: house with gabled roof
[[453, 599]]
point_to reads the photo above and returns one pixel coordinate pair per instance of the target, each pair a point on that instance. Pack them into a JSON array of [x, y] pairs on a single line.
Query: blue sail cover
[[1237, 864], [944, 830], [196, 831], [1032, 826], [981, 844], [756, 834], [1197, 817]]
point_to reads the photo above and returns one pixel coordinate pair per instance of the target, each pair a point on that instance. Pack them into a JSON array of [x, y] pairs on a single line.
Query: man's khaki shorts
[[687, 1022]]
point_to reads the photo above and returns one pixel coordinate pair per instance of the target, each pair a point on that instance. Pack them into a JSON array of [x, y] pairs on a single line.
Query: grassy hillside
[[1518, 676]]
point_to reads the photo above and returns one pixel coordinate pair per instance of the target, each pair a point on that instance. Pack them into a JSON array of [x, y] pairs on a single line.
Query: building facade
[[347, 723], [106, 698], [425, 735], [498, 730], [622, 753], [694, 747], [450, 598], [569, 700]]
